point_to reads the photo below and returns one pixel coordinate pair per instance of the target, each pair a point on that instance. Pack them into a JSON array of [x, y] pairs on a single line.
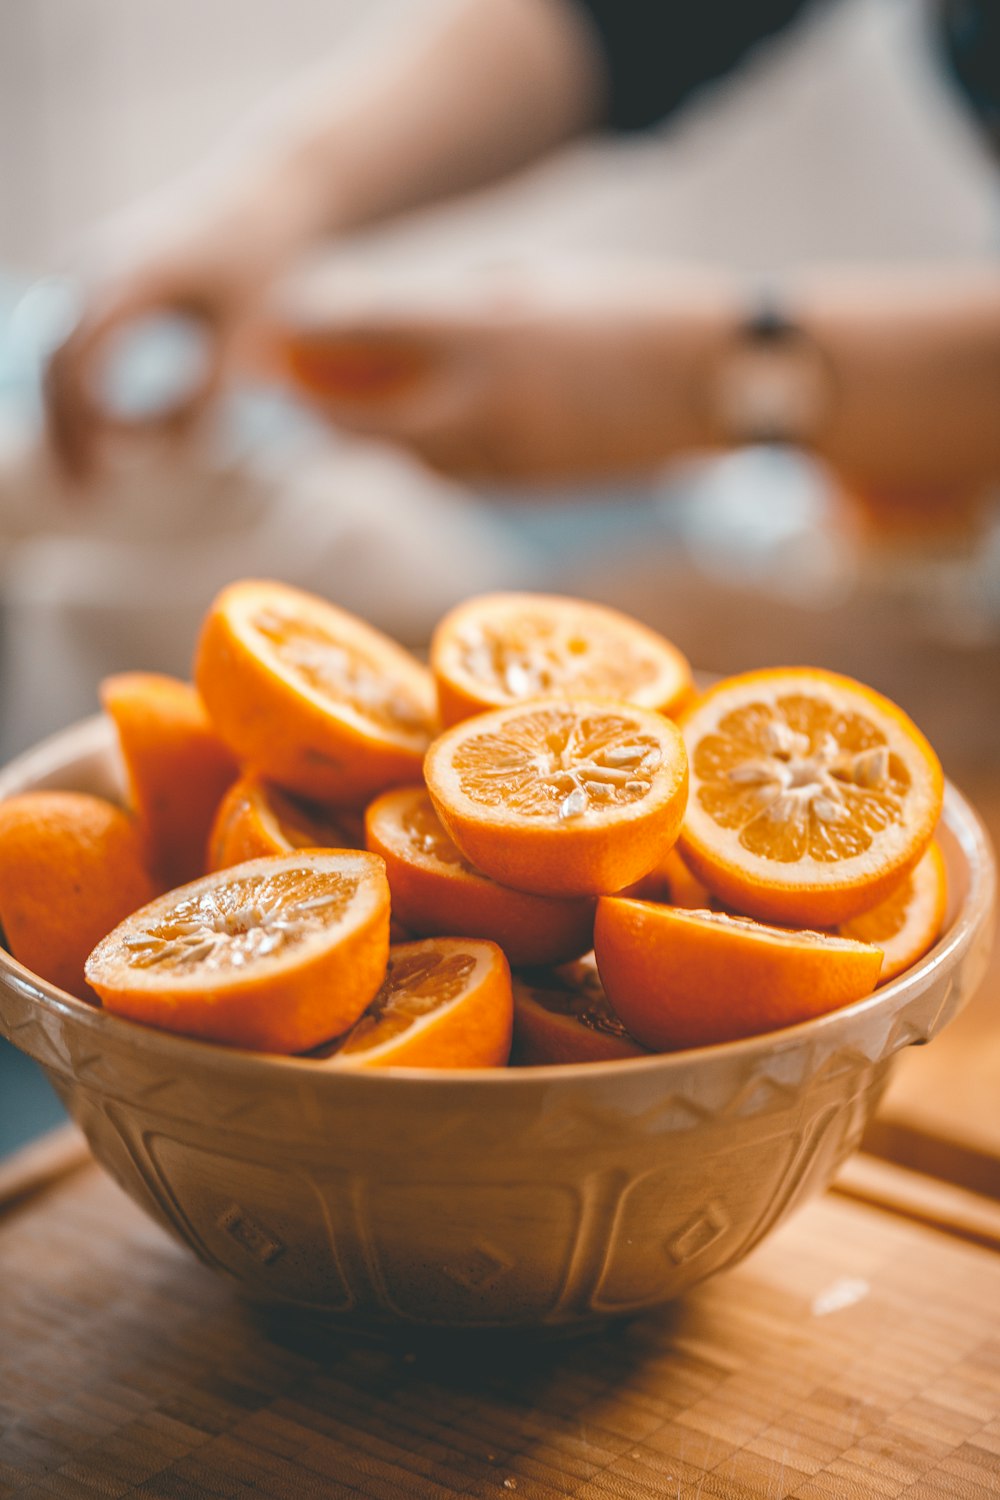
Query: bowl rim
[[51, 758]]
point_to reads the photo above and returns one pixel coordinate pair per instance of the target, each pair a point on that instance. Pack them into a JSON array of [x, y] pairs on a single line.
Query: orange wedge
[[811, 795], [689, 978], [435, 891], [445, 1003], [907, 923], [177, 767], [312, 697], [562, 797], [563, 1016], [255, 818], [499, 649], [71, 867], [277, 954]]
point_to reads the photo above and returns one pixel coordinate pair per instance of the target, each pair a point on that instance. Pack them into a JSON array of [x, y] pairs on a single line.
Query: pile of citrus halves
[[545, 837]]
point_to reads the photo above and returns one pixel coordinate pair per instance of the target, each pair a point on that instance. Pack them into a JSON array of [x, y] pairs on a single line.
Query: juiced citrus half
[[277, 954], [445, 1003], [688, 978], [907, 923], [499, 649], [811, 795], [178, 768], [256, 818], [563, 1016], [71, 867], [435, 891], [311, 697], [563, 797]]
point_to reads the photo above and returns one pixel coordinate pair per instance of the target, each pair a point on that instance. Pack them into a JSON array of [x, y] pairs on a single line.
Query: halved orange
[[811, 795], [435, 891], [445, 1003], [563, 1016], [177, 767], [311, 697], [688, 978], [907, 923], [499, 649], [276, 955], [563, 797], [71, 867], [256, 818]]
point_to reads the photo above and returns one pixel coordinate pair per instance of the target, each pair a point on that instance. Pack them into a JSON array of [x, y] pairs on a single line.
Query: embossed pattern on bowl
[[517, 1198]]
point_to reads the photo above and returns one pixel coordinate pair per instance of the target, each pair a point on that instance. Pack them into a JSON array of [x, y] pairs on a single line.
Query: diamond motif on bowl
[[257, 1241], [698, 1233], [482, 1268]]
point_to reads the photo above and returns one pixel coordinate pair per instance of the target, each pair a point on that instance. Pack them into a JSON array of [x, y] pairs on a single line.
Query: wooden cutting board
[[856, 1354]]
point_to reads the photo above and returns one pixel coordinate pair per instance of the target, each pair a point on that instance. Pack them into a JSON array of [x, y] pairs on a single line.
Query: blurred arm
[[914, 362], [892, 377], [481, 88]]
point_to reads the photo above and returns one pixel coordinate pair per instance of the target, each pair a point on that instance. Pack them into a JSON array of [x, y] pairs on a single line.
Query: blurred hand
[[547, 376], [206, 269], [570, 375]]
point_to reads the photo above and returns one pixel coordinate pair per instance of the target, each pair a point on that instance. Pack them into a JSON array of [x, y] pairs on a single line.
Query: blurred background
[[842, 140]]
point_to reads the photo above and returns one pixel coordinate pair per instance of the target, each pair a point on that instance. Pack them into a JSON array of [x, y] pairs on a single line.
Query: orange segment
[[689, 978], [435, 891], [563, 797], [255, 818], [311, 697], [277, 954], [811, 795], [907, 923], [563, 1016], [177, 767], [71, 867], [445, 1003], [499, 649]]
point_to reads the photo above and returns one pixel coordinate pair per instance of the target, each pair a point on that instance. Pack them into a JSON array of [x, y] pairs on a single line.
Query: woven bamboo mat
[[855, 1354]]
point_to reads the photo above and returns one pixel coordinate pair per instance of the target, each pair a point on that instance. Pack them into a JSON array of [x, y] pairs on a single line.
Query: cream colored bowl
[[546, 1196]]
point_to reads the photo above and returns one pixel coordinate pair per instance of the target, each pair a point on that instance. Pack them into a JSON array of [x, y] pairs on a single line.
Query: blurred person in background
[[892, 377], [588, 377]]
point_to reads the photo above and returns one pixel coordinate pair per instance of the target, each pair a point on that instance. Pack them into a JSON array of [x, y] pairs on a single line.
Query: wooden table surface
[[855, 1354]]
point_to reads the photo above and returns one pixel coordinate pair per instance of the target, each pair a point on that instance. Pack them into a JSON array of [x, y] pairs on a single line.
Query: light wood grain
[[926, 1200], [38, 1165], [854, 1354]]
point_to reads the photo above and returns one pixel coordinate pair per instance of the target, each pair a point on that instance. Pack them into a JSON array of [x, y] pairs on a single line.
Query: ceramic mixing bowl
[[524, 1197]]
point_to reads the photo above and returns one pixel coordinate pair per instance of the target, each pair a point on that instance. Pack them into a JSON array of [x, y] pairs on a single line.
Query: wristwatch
[[772, 383]]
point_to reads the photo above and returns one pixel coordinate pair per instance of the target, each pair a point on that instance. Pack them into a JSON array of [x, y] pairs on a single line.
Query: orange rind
[[256, 818], [495, 650], [445, 1003], [561, 797], [563, 1016], [811, 795], [177, 768], [310, 697], [275, 955], [71, 867], [908, 922], [437, 892], [690, 978]]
